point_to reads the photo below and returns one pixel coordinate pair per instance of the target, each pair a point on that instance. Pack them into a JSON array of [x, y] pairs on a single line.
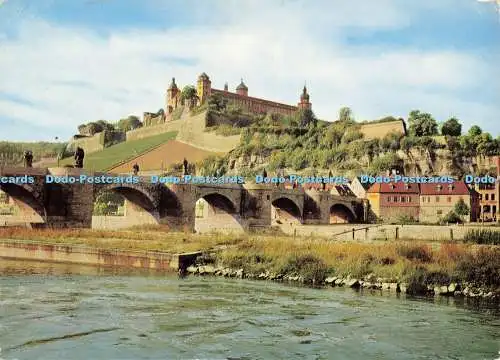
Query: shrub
[[206, 258], [405, 220], [312, 268], [452, 217], [483, 236], [481, 269], [415, 252], [416, 282]]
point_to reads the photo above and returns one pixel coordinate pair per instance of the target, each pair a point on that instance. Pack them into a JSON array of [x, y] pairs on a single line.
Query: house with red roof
[[437, 200], [394, 200]]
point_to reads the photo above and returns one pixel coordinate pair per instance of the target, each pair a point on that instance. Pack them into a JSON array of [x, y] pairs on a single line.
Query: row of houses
[[429, 203]]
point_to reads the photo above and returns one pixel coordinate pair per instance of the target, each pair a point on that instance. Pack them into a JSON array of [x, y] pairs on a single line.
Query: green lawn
[[103, 160]]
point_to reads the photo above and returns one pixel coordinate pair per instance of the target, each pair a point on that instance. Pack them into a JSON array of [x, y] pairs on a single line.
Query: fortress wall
[[88, 144], [379, 130], [149, 131], [192, 131]]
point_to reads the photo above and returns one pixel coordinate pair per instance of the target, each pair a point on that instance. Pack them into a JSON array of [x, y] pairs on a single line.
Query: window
[[437, 198], [395, 199], [409, 198], [428, 199], [268, 197], [450, 187], [486, 196], [494, 209], [388, 199], [439, 187], [449, 198], [493, 197], [439, 212], [403, 199]]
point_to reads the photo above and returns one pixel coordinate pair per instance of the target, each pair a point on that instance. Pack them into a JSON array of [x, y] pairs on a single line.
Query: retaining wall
[[29, 250]]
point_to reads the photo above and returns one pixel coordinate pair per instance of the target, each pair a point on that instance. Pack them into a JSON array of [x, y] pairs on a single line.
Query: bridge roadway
[[71, 205]]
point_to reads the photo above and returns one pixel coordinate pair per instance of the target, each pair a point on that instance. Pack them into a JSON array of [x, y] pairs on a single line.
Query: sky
[[64, 63]]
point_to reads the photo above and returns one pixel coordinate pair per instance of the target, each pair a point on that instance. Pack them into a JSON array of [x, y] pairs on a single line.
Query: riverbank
[[446, 268]]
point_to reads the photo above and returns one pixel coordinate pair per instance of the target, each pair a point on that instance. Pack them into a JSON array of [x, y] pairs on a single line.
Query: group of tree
[[91, 128]]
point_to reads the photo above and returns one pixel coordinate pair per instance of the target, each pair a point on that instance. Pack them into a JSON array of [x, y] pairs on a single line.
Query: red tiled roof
[[316, 186], [457, 188], [394, 187]]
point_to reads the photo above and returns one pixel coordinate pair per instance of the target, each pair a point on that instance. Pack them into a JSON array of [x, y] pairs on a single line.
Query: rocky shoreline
[[369, 282]]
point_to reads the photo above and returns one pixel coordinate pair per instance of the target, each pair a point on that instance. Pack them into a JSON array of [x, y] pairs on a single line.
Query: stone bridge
[[248, 205]]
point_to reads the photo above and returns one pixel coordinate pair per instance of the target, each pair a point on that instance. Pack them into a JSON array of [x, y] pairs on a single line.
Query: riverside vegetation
[[414, 267]]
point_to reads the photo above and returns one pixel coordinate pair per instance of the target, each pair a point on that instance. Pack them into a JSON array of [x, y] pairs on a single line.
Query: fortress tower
[[173, 97], [304, 100], [242, 89], [203, 88]]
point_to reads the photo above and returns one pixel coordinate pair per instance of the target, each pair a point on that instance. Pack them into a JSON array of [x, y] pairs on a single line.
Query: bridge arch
[[216, 211], [140, 207], [285, 210], [25, 199], [341, 214]]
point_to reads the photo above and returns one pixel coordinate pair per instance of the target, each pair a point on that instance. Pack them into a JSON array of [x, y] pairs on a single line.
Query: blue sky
[[63, 63]]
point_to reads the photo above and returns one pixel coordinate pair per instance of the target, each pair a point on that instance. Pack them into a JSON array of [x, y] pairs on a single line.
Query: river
[[54, 311]]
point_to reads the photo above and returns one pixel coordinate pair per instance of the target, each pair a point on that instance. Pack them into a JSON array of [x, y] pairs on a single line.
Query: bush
[[481, 269], [415, 252], [312, 268], [227, 130], [452, 218], [405, 220], [483, 236]]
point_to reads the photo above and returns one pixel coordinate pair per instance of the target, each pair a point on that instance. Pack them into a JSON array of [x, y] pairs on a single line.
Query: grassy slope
[[109, 157]]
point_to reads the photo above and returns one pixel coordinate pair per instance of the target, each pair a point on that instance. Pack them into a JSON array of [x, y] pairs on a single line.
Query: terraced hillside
[[122, 152], [164, 155]]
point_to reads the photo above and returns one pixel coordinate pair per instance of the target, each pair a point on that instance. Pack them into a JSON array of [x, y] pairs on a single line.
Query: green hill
[[112, 156]]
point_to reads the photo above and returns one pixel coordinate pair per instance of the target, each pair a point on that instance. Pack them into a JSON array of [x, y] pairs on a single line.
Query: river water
[[50, 311]]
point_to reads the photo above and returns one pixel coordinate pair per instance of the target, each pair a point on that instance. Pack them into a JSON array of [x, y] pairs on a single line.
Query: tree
[[451, 127], [217, 102], [306, 117], [93, 128], [422, 124], [129, 123], [345, 114], [106, 126], [461, 208], [188, 93], [82, 129], [475, 131]]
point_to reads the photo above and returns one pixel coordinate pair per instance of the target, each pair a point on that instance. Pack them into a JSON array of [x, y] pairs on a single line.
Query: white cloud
[[71, 75]]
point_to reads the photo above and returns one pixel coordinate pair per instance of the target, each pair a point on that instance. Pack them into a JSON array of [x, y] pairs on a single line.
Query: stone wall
[[13, 249], [97, 142], [379, 130], [89, 144], [149, 131], [384, 232]]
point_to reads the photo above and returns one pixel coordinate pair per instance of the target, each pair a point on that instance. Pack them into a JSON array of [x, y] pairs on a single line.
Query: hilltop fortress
[[238, 98]]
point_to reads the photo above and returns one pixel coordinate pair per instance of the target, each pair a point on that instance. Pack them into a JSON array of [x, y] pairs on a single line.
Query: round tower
[[203, 87], [242, 89]]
